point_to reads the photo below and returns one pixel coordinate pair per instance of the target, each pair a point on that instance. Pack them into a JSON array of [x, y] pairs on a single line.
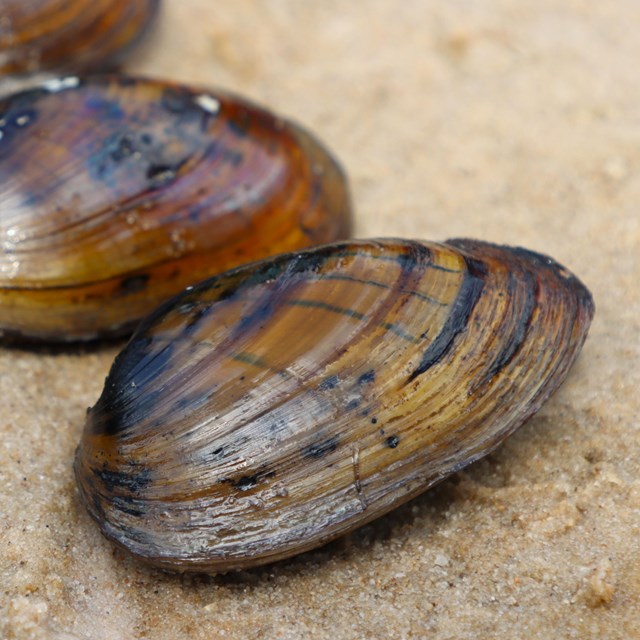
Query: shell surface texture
[[116, 193], [38, 35], [273, 408]]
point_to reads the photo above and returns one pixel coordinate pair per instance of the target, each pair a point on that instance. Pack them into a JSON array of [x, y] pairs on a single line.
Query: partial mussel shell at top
[[275, 407], [78, 35], [116, 193]]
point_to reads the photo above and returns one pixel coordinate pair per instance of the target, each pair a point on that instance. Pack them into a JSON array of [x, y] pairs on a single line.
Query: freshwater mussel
[[37, 35], [116, 193], [284, 403]]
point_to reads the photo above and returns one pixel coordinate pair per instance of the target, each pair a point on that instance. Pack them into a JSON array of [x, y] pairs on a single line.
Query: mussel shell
[[271, 409], [69, 35], [116, 193]]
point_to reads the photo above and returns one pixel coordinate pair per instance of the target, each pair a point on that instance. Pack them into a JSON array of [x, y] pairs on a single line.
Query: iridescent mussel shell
[[116, 193], [275, 407], [37, 35]]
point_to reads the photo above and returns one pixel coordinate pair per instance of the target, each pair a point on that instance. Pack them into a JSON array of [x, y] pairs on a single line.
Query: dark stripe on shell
[[456, 323], [320, 449], [512, 343]]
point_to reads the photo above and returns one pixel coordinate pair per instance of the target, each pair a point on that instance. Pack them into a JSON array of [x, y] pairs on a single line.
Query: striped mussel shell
[[39, 35], [117, 192], [268, 410]]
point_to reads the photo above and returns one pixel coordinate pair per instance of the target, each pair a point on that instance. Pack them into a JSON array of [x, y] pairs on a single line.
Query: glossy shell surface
[[40, 35], [116, 193], [285, 403]]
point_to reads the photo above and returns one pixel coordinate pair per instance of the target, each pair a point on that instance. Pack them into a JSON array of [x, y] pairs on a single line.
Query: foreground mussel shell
[[271, 409], [116, 193], [38, 35]]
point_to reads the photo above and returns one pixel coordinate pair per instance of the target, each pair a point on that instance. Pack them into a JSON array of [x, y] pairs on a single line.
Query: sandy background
[[507, 120]]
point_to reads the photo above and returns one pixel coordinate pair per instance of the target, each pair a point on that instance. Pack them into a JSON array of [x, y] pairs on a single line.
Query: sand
[[506, 120]]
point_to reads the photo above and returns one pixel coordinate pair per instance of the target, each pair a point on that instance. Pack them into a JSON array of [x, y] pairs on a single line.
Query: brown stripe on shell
[[69, 34], [317, 416]]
